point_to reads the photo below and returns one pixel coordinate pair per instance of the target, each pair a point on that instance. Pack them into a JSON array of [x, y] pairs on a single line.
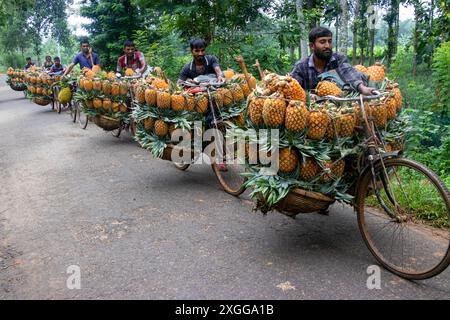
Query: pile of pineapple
[[16, 79], [39, 86], [101, 93], [161, 107], [319, 142]]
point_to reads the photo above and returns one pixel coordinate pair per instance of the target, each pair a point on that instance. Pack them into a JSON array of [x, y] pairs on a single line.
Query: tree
[[343, 30], [355, 24], [392, 19], [113, 22]]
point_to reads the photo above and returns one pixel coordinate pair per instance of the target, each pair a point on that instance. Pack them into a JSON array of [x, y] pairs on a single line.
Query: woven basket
[[167, 154], [302, 201], [20, 87], [41, 101], [107, 123]]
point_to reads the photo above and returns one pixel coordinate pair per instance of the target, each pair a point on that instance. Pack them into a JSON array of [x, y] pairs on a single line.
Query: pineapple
[[111, 75], [140, 94], [106, 87], [115, 107], [377, 111], [229, 73], [398, 98], [190, 102], [161, 128], [123, 88], [177, 101], [376, 72], [362, 69], [288, 160], [391, 107], [163, 99], [236, 92], [255, 110], [129, 72], [106, 104], [332, 171], [331, 132], [115, 89], [328, 88], [218, 99], [150, 97], [97, 84], [345, 124], [308, 170], [123, 107], [270, 83], [227, 96], [88, 85], [291, 89], [201, 103], [318, 123], [296, 116], [98, 103], [89, 104], [149, 123], [159, 83], [240, 119], [96, 68], [274, 111]]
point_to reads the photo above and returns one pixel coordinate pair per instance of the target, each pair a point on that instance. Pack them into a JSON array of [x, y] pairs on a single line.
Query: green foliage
[[441, 74], [113, 22]]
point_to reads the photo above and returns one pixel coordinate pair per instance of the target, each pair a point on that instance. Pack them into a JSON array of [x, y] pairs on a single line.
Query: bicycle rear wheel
[[228, 173], [83, 119], [404, 218]]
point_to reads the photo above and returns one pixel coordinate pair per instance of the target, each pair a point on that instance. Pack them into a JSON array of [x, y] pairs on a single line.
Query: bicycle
[[386, 195], [228, 174]]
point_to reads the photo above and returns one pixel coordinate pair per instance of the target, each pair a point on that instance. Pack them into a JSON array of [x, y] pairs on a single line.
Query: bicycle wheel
[[404, 218], [83, 119], [116, 133], [181, 166], [229, 174], [73, 110]]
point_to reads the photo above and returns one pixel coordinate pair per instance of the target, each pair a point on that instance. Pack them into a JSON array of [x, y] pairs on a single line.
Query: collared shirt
[[56, 69], [86, 61], [190, 71], [306, 73], [137, 62]]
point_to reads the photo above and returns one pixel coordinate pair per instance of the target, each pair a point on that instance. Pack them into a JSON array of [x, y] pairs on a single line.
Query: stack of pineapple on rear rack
[[103, 95], [16, 79], [39, 86], [320, 144], [160, 107]]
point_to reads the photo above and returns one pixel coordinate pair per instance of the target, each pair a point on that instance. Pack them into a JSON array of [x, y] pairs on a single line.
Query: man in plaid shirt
[[322, 59]]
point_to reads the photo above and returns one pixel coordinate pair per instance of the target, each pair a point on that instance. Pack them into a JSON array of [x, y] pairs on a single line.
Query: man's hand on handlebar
[[367, 91]]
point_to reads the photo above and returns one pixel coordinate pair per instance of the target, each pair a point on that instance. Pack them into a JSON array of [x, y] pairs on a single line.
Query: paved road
[[140, 229]]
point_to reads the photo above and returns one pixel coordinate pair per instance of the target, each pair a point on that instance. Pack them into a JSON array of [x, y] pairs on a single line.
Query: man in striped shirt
[[322, 59]]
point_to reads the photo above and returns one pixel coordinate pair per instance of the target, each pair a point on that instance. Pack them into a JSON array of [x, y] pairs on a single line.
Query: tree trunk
[[431, 32], [303, 46], [292, 54], [311, 4], [415, 38], [392, 18], [371, 46], [355, 32], [343, 30]]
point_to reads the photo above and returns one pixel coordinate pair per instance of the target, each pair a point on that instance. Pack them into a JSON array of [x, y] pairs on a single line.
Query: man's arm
[[143, 67], [184, 75], [216, 66], [353, 77], [69, 69]]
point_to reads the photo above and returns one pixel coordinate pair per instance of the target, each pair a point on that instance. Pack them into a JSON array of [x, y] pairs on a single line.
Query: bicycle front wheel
[[404, 217], [82, 117]]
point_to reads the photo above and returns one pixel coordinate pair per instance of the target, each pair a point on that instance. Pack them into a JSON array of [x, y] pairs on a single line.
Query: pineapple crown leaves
[[151, 141]]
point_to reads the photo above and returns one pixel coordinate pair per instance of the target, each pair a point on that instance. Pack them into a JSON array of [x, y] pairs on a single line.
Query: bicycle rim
[[407, 226]]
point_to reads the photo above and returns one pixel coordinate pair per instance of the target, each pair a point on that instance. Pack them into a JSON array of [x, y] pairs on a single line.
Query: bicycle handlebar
[[377, 95]]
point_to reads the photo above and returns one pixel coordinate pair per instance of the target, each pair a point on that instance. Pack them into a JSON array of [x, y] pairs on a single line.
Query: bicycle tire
[[83, 119], [231, 179], [405, 174]]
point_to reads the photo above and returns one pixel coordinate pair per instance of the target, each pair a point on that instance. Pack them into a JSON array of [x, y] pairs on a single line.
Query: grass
[[419, 195]]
